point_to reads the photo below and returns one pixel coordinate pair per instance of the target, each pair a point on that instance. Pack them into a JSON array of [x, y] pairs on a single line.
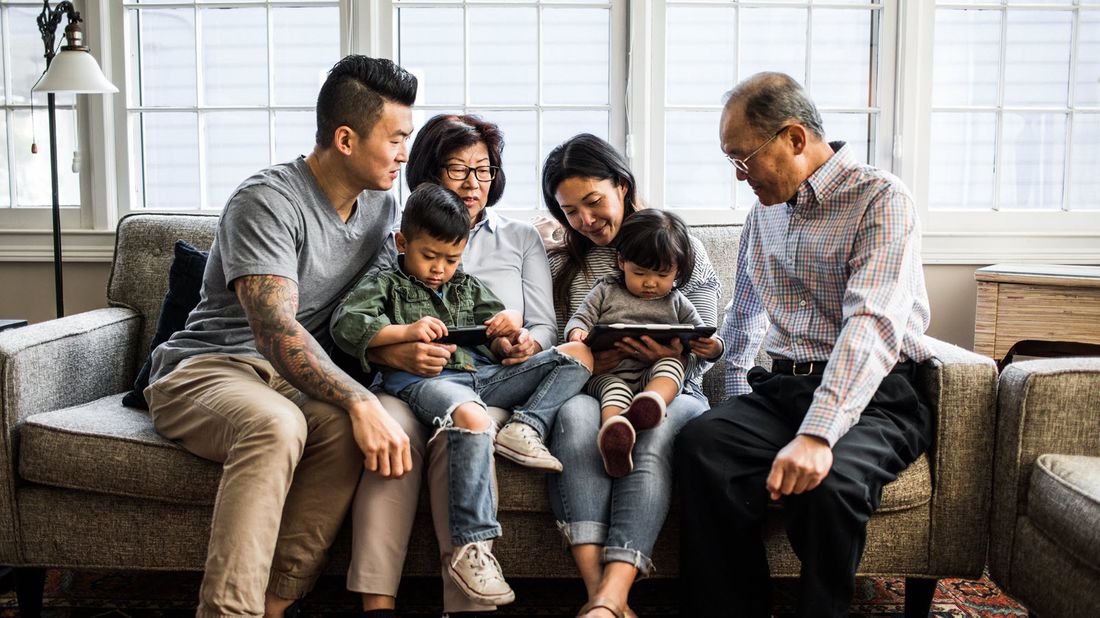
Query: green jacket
[[393, 297]]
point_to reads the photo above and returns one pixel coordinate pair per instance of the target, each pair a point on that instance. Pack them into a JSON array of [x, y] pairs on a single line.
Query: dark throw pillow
[[184, 283]]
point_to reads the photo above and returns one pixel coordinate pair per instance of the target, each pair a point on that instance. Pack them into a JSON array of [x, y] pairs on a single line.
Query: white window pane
[[236, 148], [32, 171], [1033, 155], [27, 61], [965, 57], [3, 64], [234, 56], [854, 130], [165, 66], [840, 72], [519, 157], [1037, 57], [697, 173], [431, 49], [171, 160], [1085, 166], [503, 55], [575, 55], [307, 44], [767, 43], [1088, 59], [5, 186], [1059, 2], [295, 134], [560, 126], [961, 165], [700, 51]]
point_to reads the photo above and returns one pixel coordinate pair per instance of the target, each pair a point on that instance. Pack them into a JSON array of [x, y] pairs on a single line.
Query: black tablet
[[604, 336], [465, 336]]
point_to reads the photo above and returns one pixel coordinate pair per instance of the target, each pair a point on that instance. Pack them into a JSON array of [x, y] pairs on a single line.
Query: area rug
[[172, 595]]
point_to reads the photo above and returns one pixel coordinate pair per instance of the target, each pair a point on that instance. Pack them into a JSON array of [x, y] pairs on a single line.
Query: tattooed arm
[[271, 305]]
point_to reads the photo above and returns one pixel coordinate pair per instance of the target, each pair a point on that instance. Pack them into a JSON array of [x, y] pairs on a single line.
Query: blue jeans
[[626, 514], [534, 389]]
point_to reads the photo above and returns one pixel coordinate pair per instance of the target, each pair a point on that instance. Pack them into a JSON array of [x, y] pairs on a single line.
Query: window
[[1016, 107], [542, 70], [217, 92], [25, 177]]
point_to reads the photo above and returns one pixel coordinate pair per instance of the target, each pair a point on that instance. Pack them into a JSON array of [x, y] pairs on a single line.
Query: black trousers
[[722, 459]]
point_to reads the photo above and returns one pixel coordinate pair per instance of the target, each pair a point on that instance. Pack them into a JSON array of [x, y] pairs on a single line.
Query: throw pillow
[[184, 283]]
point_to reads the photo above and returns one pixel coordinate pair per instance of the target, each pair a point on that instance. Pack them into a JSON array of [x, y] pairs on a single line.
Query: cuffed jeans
[[539, 386], [290, 465], [384, 510], [624, 515]]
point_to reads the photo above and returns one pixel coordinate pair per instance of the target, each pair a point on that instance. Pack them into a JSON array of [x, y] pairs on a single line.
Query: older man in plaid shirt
[[829, 278]]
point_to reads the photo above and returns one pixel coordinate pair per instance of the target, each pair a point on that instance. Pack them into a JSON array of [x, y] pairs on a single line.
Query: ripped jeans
[[534, 389]]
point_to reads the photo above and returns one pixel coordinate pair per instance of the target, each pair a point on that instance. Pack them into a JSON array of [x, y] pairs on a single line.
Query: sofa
[[1045, 524], [88, 484]]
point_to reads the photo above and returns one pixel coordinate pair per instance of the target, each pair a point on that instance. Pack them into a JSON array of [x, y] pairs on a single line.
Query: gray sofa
[[88, 484], [1045, 530]]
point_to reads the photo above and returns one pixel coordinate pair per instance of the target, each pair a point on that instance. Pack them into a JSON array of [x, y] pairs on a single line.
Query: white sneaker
[[477, 573], [520, 443]]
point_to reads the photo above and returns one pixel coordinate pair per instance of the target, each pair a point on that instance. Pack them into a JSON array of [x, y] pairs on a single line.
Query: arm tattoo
[[271, 305]]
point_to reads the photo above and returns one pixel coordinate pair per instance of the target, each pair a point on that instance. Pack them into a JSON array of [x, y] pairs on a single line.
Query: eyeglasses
[[742, 165], [457, 171]]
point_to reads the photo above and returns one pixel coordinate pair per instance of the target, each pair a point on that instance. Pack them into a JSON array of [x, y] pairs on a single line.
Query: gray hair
[[772, 99]]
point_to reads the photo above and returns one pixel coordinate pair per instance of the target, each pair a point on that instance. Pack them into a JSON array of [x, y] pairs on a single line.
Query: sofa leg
[[29, 583], [918, 596]]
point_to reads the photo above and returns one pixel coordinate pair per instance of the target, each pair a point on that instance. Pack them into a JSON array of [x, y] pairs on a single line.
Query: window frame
[[368, 26]]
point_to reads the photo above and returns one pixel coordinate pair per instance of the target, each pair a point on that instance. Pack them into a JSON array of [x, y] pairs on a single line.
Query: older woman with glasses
[[463, 154]]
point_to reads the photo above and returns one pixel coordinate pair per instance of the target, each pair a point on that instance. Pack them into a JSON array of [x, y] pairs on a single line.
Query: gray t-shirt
[[279, 222]]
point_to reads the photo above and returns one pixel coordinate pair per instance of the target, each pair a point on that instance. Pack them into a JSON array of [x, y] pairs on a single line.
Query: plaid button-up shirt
[[836, 277]]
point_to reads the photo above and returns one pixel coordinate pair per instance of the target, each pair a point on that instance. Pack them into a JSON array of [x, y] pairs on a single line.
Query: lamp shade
[[74, 70]]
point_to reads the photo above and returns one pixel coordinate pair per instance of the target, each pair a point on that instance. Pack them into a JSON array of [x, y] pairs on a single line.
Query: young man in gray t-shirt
[[249, 383]]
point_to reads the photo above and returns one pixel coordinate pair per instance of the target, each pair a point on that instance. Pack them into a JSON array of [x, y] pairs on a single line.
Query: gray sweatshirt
[[609, 302]]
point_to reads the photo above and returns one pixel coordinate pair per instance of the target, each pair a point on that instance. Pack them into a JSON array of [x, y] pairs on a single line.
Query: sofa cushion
[[106, 447], [1064, 503], [184, 285]]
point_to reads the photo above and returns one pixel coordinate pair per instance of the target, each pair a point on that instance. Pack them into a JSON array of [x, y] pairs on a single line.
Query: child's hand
[[709, 348], [504, 324], [578, 334], [426, 329]]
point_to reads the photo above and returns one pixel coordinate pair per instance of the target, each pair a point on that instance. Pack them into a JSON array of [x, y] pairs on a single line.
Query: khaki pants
[[384, 509], [290, 467]]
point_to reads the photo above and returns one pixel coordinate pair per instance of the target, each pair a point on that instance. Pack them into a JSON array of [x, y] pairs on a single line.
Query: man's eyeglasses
[[485, 173], [742, 165]]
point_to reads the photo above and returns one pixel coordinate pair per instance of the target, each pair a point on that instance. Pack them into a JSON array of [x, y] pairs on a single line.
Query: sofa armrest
[[53, 365], [1043, 406], [962, 387]]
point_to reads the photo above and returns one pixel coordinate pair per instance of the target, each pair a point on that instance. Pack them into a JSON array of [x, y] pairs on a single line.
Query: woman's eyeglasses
[[485, 173]]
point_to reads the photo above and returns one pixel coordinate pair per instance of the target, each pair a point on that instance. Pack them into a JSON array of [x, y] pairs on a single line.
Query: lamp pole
[[48, 21]]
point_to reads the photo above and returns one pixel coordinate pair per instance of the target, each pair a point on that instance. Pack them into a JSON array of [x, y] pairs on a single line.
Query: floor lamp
[[73, 70]]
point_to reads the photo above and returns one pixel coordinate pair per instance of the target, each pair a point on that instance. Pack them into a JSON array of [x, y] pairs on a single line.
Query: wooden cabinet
[[1027, 301]]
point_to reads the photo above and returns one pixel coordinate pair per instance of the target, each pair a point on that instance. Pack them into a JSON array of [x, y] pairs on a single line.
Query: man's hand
[[709, 348], [426, 329], [504, 324], [422, 359], [516, 349], [800, 466], [384, 443], [577, 334]]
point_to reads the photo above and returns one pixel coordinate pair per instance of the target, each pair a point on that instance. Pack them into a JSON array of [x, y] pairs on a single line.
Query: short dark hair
[[445, 135], [354, 92], [771, 99], [437, 212], [659, 240], [582, 156]]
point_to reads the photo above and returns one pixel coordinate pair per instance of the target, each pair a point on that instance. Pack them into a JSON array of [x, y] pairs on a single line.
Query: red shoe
[[646, 411], [616, 442]]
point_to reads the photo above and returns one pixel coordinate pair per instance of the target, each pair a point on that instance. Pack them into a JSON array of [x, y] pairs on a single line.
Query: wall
[[28, 294]]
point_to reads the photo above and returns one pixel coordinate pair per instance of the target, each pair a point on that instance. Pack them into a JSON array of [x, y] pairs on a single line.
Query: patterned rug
[[172, 595]]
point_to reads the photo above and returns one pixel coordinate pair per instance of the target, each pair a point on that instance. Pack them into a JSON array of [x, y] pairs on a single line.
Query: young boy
[[420, 302]]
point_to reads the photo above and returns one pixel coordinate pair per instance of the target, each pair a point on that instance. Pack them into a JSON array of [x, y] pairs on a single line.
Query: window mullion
[[271, 83], [1071, 113], [200, 118], [998, 141]]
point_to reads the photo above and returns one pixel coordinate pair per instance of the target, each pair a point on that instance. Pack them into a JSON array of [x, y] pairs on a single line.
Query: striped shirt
[[703, 290], [836, 277]]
